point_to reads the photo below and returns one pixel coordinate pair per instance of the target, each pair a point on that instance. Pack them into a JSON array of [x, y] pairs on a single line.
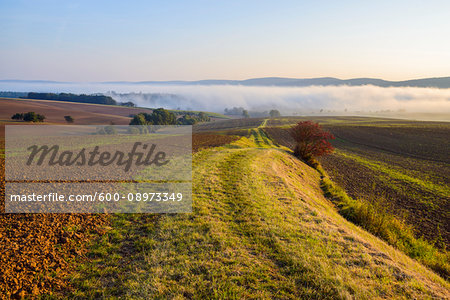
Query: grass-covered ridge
[[260, 228]]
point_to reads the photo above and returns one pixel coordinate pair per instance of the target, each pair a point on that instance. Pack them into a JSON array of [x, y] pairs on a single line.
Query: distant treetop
[[94, 99]]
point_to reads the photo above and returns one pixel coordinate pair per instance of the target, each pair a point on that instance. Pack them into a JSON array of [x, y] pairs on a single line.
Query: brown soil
[[420, 149], [228, 125], [200, 141], [37, 251], [83, 114]]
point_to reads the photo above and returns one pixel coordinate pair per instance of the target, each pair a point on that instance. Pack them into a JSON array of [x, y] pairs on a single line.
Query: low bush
[[29, 117]]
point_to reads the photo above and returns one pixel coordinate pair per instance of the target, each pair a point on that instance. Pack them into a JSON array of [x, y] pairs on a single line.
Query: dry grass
[[261, 228]]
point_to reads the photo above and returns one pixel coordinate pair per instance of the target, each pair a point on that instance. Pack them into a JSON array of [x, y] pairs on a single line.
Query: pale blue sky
[[191, 40]]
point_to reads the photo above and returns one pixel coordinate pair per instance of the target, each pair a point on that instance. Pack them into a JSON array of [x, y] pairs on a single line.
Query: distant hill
[[441, 82], [437, 82]]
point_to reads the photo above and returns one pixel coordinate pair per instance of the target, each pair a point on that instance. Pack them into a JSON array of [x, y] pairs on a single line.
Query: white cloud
[[286, 99]]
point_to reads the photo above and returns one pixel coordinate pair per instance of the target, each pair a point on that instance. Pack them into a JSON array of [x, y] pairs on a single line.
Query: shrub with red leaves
[[311, 139]]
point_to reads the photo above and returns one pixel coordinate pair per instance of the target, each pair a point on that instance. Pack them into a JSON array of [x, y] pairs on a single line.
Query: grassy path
[[261, 229], [257, 138]]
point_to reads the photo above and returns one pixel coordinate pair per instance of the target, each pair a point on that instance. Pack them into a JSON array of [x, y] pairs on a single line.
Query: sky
[[88, 41]]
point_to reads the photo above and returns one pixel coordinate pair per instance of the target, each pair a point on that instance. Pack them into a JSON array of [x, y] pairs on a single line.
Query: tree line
[[83, 98], [162, 116], [28, 117], [94, 99], [240, 111]]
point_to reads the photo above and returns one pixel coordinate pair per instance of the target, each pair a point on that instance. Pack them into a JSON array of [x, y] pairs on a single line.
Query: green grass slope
[[260, 228]]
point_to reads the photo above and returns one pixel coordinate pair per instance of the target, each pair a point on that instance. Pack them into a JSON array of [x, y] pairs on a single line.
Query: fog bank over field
[[288, 100]]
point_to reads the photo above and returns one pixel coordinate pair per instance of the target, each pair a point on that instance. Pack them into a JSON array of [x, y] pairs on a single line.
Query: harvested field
[[421, 207], [200, 141], [83, 114], [348, 121], [281, 136], [228, 125], [39, 250], [283, 121], [423, 141]]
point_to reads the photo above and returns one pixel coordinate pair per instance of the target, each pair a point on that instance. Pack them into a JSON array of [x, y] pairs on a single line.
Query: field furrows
[[403, 168]]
